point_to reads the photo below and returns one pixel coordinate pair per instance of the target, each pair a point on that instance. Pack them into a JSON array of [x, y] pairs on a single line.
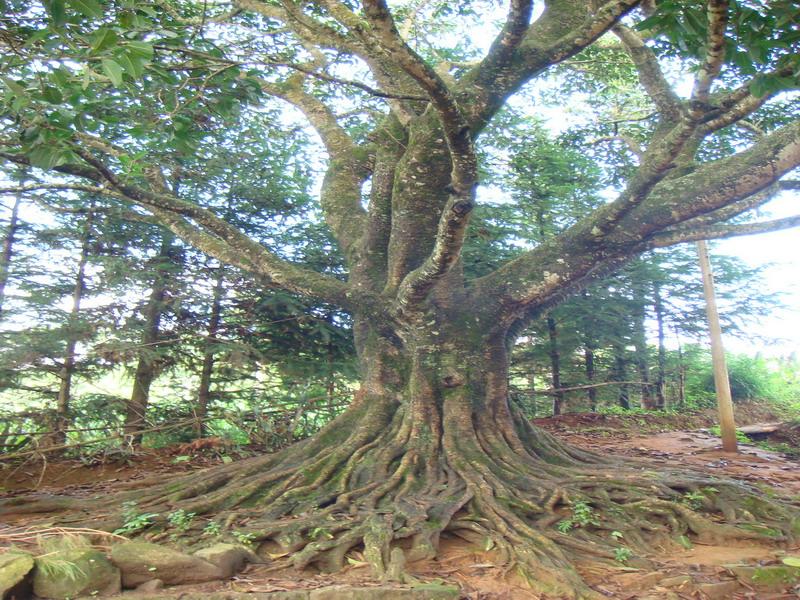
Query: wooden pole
[[727, 424]]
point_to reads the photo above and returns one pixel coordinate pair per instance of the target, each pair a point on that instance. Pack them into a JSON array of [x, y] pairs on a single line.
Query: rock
[[142, 561], [724, 590], [427, 591], [638, 581], [773, 577], [677, 581], [230, 558], [75, 572], [153, 585], [14, 567]]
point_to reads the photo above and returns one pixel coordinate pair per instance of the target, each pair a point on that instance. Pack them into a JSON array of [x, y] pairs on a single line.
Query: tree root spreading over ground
[[373, 481]]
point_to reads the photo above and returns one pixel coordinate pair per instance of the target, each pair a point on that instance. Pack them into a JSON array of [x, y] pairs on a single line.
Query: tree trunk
[[619, 374], [8, 244], [722, 384], [640, 348], [148, 364], [658, 306], [555, 366], [591, 392], [209, 351], [681, 377], [67, 371]]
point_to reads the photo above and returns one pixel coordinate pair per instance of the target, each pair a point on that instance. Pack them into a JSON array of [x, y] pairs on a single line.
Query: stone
[[75, 572], [14, 568], [230, 558], [427, 591], [723, 590], [153, 585], [638, 581], [773, 577], [142, 561], [677, 581]]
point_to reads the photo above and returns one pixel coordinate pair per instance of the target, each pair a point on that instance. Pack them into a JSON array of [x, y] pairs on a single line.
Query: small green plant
[[132, 520], [583, 515], [622, 554], [180, 519], [694, 499], [617, 535], [565, 526], [212, 529], [244, 538]]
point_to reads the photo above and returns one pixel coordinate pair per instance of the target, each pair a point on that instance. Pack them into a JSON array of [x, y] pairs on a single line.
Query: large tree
[[99, 95]]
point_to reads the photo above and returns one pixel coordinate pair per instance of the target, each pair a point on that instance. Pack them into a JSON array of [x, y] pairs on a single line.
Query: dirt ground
[[702, 571]]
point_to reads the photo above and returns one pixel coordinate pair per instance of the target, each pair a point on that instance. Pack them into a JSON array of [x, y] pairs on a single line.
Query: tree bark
[[555, 366], [640, 347], [147, 365], [618, 374], [209, 352], [727, 423], [591, 392], [658, 306]]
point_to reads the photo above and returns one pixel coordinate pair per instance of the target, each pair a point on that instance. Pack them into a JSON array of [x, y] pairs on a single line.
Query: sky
[[781, 251]]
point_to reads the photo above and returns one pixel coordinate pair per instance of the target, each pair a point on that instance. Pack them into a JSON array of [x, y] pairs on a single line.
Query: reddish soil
[[696, 573]]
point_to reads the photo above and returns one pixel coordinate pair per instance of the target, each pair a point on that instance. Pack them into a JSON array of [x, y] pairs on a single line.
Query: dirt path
[[698, 572]]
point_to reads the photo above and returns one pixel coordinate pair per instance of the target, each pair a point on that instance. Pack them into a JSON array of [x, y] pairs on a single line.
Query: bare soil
[[701, 571]]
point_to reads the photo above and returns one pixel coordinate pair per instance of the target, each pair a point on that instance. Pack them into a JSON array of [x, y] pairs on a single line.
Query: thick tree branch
[[650, 74], [214, 233], [454, 125], [565, 28], [721, 231], [715, 185], [717, 11], [347, 168], [502, 51], [463, 176], [35, 187], [536, 277]]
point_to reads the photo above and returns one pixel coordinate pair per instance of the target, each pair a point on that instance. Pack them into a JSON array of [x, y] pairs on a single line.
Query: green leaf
[[47, 157], [15, 88], [104, 38], [142, 49], [89, 8], [113, 70], [132, 64], [791, 561], [52, 95], [55, 8]]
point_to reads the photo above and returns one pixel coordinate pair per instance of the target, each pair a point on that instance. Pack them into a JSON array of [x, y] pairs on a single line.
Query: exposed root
[[373, 481]]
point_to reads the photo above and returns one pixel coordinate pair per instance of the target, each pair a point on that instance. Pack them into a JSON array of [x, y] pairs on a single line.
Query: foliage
[[622, 554], [582, 515], [132, 520], [180, 519]]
